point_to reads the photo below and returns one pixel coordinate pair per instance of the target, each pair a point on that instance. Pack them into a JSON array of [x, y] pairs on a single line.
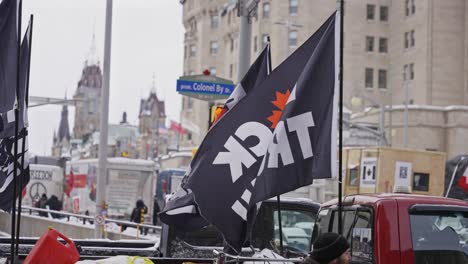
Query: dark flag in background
[[8, 65], [284, 131], [181, 211], [7, 141]]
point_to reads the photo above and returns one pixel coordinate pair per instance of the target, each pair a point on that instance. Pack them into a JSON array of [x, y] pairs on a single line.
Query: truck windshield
[[440, 237]]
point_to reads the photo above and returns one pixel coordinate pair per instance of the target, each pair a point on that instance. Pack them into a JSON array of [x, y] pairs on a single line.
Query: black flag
[[8, 66], [7, 142], [181, 211], [287, 124]]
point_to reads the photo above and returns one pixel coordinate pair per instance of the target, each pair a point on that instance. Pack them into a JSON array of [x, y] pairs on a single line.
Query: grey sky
[[147, 38]]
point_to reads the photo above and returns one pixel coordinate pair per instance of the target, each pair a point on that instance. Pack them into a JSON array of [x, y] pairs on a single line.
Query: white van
[[45, 179]]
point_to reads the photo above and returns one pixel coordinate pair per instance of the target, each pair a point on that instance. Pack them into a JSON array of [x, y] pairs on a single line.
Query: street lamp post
[[357, 101], [104, 119], [246, 9], [406, 80]]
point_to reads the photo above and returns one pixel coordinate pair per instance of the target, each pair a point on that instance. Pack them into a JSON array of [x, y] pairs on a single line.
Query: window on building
[[264, 40], [383, 13], [185, 52], [383, 79], [411, 71], [413, 7], [292, 38], [412, 38], [383, 45], [405, 72], [232, 44], [369, 43], [406, 40], [213, 71], [255, 44], [189, 103], [407, 7], [231, 70], [214, 21], [189, 136], [369, 77], [293, 7], [193, 50], [266, 10], [214, 47], [370, 12]]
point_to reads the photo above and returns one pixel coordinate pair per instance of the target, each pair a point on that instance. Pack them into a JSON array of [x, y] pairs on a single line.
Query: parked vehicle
[[400, 228], [44, 179], [296, 242], [128, 180]]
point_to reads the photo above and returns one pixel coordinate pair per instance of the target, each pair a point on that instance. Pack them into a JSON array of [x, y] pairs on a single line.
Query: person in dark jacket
[[42, 204], [138, 213], [329, 248], [156, 210], [54, 204]]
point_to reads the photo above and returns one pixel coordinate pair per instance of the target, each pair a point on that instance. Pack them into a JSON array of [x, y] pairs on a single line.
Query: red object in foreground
[[48, 250]]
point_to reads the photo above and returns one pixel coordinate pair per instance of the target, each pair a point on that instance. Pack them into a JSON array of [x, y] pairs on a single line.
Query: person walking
[[329, 248], [54, 204], [156, 210], [42, 204], [138, 213]]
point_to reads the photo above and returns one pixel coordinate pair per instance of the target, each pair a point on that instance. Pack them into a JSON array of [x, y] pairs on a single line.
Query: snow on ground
[[110, 227]]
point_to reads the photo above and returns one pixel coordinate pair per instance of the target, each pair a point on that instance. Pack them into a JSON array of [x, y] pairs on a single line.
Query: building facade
[[396, 52]]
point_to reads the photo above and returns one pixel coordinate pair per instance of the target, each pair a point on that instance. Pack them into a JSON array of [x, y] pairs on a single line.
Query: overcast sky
[[147, 38]]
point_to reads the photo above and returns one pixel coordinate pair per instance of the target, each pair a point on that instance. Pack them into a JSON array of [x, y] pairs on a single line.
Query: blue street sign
[[219, 90]]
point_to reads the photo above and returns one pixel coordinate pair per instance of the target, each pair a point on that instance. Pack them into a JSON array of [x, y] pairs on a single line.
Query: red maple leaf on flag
[[280, 103]]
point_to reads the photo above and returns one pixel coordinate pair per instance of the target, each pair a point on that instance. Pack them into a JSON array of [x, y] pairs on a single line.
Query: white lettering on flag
[[301, 124], [236, 156], [281, 148], [240, 210]]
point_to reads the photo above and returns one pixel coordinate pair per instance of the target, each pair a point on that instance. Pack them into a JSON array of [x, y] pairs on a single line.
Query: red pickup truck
[[400, 228]]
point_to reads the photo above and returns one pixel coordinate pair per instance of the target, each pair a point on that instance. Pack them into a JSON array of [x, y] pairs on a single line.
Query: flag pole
[[278, 198], [453, 176], [15, 144], [340, 149], [25, 132]]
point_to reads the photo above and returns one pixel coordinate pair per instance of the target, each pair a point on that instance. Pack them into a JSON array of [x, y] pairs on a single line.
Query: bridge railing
[[141, 228]]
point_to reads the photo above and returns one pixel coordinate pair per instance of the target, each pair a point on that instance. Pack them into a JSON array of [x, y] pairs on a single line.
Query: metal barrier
[[222, 258], [90, 219]]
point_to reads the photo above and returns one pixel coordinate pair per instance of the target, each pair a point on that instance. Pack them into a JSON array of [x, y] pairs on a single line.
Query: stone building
[[61, 140], [396, 52]]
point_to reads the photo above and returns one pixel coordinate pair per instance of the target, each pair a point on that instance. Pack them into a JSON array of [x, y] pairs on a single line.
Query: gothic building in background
[[61, 141], [152, 126], [87, 96]]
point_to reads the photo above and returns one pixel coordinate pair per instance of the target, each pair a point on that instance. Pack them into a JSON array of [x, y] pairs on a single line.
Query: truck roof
[[400, 197], [292, 200]]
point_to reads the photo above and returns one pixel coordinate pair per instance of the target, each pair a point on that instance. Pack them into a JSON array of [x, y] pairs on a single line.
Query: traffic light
[[216, 111]]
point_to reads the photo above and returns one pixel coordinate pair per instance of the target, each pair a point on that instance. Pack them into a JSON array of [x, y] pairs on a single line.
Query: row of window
[[409, 42], [266, 9], [371, 12], [383, 44], [408, 74], [369, 78]]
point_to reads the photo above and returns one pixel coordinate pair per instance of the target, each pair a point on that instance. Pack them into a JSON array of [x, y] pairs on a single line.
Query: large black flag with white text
[[280, 137], [180, 210]]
